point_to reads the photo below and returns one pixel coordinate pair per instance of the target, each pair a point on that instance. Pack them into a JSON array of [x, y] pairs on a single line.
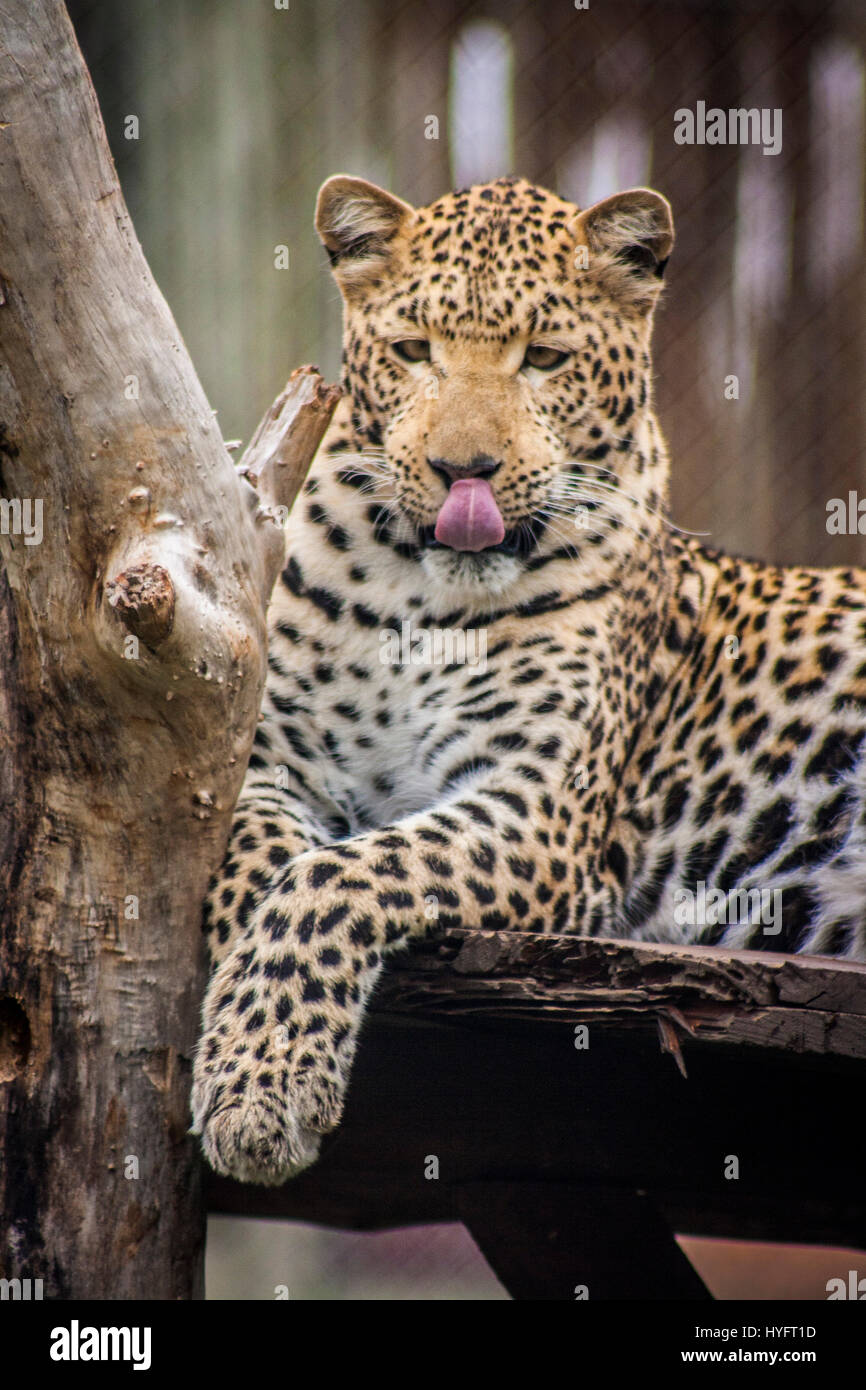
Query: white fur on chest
[[383, 742]]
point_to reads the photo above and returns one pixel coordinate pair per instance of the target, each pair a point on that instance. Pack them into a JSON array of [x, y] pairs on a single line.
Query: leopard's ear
[[629, 238], [356, 223]]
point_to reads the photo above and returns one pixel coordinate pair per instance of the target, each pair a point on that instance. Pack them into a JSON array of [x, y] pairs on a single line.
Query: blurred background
[[224, 116]]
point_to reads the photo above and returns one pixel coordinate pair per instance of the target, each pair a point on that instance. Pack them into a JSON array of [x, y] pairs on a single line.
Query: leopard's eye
[[412, 349], [544, 358]]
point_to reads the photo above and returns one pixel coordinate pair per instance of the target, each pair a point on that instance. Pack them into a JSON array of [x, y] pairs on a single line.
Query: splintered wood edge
[[802, 1003], [278, 457]]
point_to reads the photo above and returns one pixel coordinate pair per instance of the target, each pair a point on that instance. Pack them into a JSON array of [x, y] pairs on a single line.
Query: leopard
[[505, 692]]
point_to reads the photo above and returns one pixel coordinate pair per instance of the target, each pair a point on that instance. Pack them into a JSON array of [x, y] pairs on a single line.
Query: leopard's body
[[651, 717]]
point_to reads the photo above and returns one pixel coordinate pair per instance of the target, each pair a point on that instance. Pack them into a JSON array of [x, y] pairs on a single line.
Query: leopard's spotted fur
[[651, 715]]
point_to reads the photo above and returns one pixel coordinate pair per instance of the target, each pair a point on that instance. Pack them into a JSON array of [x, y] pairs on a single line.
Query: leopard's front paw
[[281, 1021], [255, 1141], [266, 1126]]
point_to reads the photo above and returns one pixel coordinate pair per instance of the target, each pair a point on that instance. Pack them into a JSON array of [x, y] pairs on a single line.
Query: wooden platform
[[574, 1165]]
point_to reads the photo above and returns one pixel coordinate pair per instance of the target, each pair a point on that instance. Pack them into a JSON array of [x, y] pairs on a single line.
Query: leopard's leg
[[270, 827], [284, 1008]]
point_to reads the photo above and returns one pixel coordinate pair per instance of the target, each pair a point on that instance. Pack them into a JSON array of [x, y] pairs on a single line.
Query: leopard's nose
[[481, 466]]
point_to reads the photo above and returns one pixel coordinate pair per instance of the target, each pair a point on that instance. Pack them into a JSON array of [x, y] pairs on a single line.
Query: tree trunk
[[137, 569]]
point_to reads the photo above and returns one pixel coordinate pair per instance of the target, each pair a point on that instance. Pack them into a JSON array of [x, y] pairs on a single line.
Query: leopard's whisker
[[599, 483], [607, 523]]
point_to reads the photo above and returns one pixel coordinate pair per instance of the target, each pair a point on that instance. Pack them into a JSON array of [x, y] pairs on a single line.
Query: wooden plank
[[492, 1099], [806, 1004]]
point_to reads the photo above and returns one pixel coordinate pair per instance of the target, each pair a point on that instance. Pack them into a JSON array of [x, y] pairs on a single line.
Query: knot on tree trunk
[[143, 596]]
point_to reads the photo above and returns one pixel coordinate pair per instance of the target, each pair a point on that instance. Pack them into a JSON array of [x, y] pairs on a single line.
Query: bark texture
[[133, 631]]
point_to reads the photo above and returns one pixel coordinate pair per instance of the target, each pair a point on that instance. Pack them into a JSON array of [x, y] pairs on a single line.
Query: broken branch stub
[[143, 596], [278, 457]]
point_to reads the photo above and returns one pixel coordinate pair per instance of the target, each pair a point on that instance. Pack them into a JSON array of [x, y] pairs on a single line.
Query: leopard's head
[[496, 355]]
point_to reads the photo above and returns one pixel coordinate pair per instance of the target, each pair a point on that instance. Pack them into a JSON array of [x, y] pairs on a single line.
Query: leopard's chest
[[386, 740]]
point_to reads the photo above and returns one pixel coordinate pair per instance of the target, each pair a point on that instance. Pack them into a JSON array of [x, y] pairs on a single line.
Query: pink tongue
[[469, 518]]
